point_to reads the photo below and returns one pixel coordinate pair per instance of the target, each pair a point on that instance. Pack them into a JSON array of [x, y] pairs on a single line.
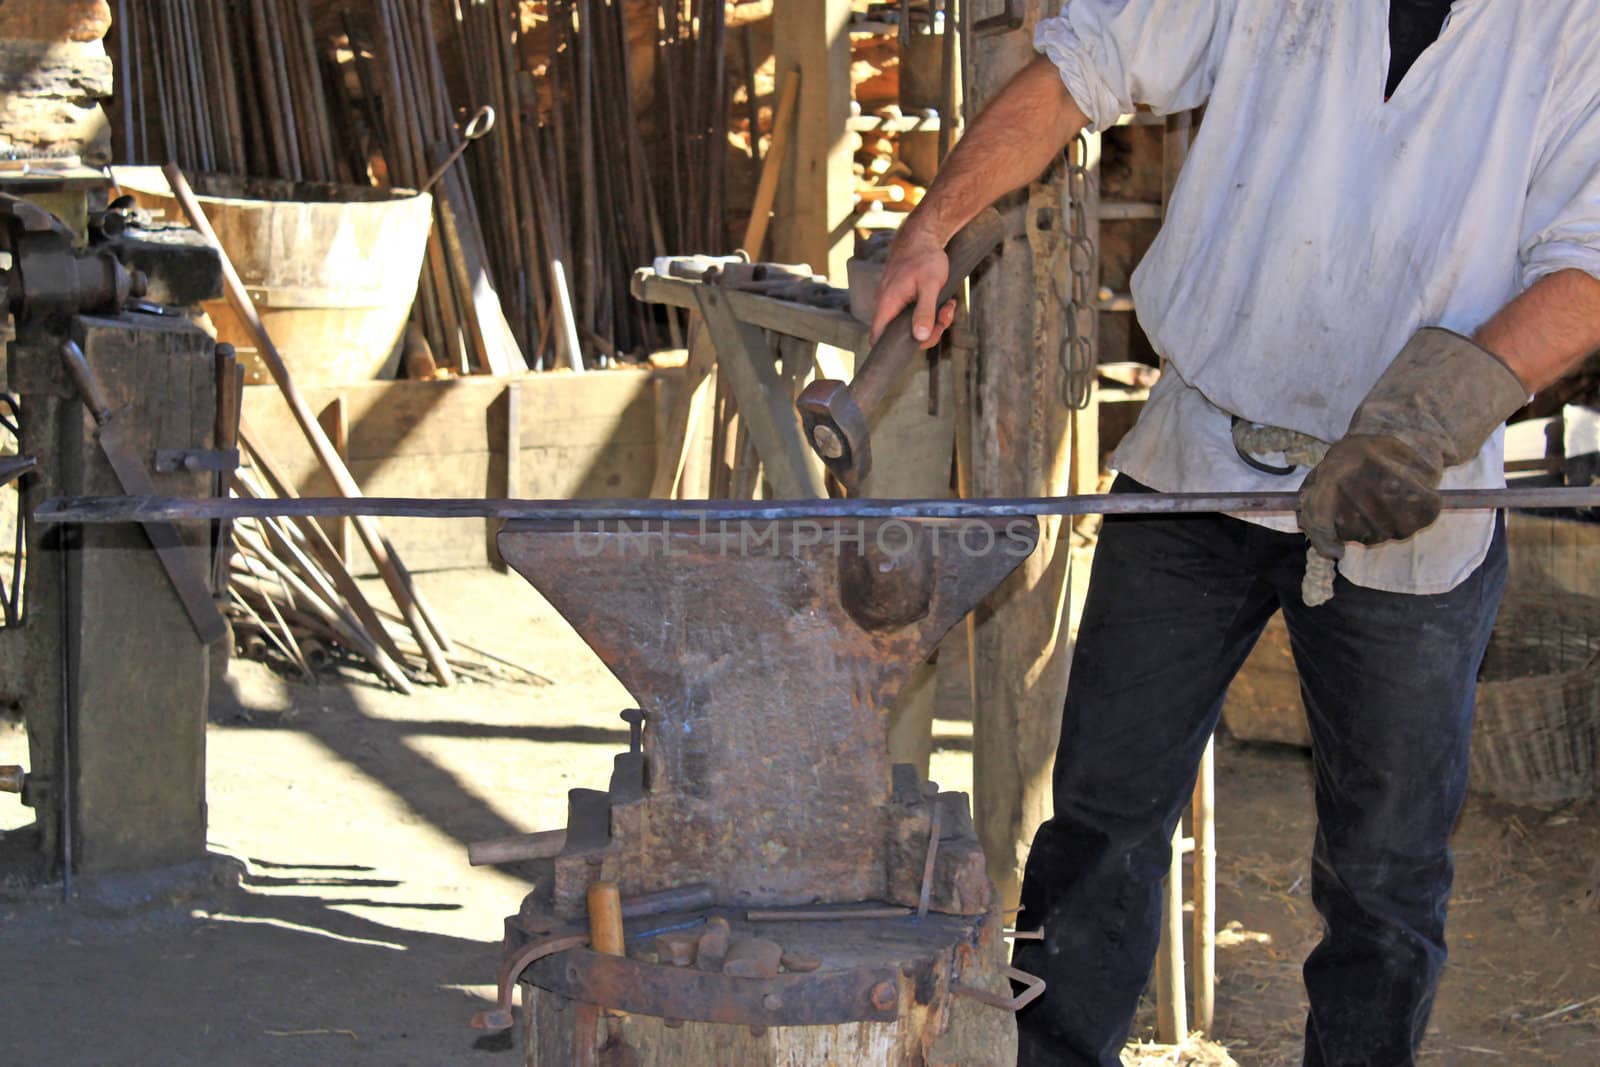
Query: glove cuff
[[1443, 395]]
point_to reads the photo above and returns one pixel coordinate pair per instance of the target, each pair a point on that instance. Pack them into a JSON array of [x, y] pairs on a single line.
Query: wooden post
[[1172, 1023], [957, 682], [1020, 444], [755, 232], [913, 450], [1204, 974], [687, 416], [336, 425], [817, 190], [104, 622], [511, 411]]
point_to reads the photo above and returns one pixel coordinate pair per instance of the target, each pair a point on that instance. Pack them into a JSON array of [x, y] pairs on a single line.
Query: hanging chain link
[[1077, 355]]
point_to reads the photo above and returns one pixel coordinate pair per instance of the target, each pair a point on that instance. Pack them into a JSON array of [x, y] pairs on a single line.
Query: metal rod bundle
[[228, 86], [292, 602], [540, 225], [459, 304], [581, 188]]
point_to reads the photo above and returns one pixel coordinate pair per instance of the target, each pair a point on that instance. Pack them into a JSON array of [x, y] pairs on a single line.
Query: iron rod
[[115, 509]]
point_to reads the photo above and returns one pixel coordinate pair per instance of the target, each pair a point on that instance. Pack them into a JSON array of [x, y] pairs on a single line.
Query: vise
[[106, 384]]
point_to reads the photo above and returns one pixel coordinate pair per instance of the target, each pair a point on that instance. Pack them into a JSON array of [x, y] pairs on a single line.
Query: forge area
[[360, 934]]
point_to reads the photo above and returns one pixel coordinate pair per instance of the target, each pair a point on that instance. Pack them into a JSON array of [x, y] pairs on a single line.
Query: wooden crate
[[576, 435]]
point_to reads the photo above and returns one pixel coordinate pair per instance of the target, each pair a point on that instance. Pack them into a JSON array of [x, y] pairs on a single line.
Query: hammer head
[[837, 430]]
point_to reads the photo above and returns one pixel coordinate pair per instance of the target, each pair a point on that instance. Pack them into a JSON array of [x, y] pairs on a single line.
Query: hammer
[[836, 415]]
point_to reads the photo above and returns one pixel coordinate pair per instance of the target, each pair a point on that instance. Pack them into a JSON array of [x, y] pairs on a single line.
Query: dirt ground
[[360, 935]]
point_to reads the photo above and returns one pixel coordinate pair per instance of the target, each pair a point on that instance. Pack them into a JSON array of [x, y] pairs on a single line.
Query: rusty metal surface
[[819, 998], [765, 696], [959, 882], [764, 661], [862, 970], [500, 1016], [1032, 987]]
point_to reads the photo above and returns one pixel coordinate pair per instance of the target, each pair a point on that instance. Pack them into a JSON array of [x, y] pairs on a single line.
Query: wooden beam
[[337, 426], [766, 407], [688, 412], [817, 192], [1020, 442], [822, 325], [1172, 1014], [1203, 975]]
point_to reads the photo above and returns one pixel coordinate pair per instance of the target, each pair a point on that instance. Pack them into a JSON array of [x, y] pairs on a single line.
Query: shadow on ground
[[244, 978]]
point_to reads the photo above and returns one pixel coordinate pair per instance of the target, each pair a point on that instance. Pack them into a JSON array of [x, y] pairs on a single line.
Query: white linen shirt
[[1315, 226]]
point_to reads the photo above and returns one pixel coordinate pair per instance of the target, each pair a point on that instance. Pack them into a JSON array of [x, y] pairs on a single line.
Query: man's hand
[[1366, 490], [916, 271], [1434, 407], [1021, 130]]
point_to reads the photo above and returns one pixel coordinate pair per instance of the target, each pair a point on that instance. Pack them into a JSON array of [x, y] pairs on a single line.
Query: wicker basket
[[1537, 737]]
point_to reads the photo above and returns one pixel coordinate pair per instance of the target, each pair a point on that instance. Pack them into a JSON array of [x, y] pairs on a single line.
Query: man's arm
[[1549, 329], [1007, 146]]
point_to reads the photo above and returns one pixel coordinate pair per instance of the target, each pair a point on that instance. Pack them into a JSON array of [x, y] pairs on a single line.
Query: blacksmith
[[1385, 238]]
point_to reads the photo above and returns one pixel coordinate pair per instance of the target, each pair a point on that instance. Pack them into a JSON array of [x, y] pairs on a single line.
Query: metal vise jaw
[[48, 277]]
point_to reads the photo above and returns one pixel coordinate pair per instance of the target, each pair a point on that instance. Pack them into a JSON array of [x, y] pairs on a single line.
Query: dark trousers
[[1174, 606]]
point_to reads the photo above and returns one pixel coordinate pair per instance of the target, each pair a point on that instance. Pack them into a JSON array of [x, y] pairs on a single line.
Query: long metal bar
[[115, 509]]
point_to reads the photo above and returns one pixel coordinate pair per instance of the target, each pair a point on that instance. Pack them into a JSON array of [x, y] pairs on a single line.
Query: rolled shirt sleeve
[[1561, 224], [1116, 54]]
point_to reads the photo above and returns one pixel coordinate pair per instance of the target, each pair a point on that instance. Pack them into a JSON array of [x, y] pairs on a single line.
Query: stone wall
[[54, 71]]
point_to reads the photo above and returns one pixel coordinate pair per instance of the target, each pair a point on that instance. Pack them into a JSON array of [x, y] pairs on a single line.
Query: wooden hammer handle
[[897, 348]]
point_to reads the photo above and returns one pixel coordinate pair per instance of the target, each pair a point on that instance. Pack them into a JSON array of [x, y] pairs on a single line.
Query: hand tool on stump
[[837, 416], [187, 579], [605, 918]]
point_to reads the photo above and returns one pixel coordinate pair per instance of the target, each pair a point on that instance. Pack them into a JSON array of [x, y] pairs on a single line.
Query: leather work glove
[[1434, 407]]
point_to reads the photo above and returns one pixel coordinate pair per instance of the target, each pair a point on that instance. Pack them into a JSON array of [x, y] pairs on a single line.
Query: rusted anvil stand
[[765, 657]]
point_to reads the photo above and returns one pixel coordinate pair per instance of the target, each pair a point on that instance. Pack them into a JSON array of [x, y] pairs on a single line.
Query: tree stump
[[928, 1023]]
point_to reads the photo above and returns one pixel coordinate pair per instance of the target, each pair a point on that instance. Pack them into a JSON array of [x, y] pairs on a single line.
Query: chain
[[1077, 355]]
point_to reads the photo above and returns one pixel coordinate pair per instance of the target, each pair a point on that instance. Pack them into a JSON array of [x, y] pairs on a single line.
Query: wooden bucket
[[333, 269]]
